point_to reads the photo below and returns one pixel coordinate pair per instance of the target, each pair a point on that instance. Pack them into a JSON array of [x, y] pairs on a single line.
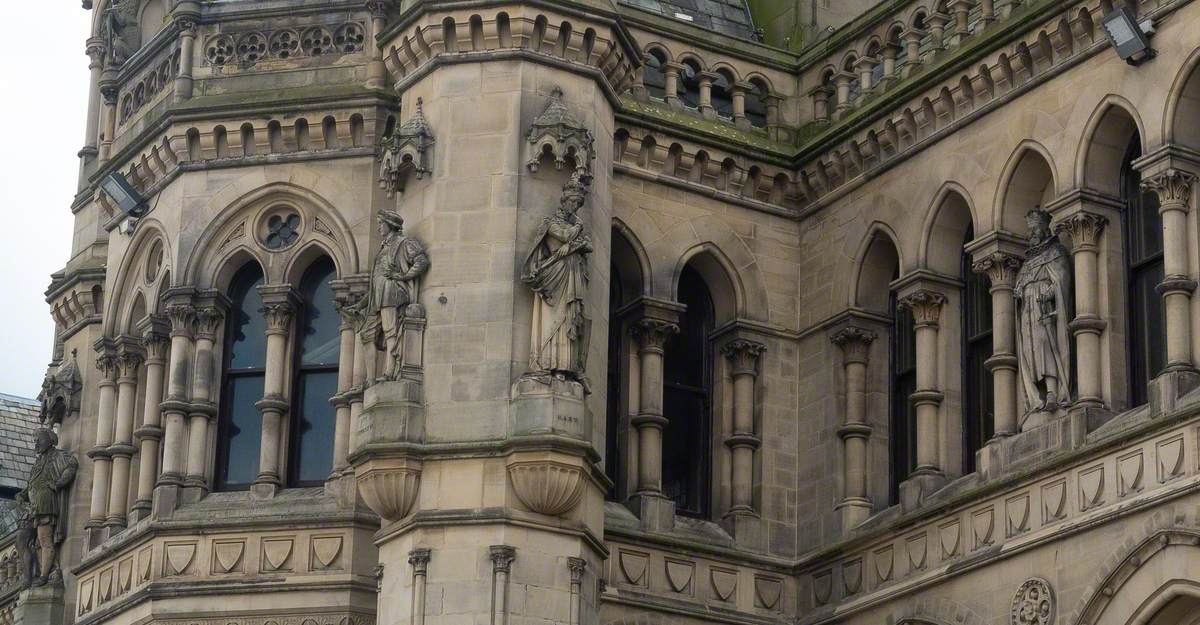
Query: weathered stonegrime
[[480, 481]]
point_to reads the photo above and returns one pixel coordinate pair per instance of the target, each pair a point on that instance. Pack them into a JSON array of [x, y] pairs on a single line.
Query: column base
[[656, 512], [265, 489], [919, 486], [1039, 439], [166, 500], [193, 491], [392, 412], [545, 404], [140, 511], [97, 534], [43, 605], [343, 488], [1166, 389], [854, 511], [747, 529]]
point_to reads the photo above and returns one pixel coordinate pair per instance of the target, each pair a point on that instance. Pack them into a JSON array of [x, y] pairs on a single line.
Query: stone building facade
[[598, 313]]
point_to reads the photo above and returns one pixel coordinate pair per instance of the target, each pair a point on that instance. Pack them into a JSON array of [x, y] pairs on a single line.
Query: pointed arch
[[231, 262], [1155, 579], [877, 261], [306, 254], [1112, 125], [671, 251], [718, 274], [1028, 180], [125, 281], [629, 257], [947, 221], [137, 310], [1183, 106]]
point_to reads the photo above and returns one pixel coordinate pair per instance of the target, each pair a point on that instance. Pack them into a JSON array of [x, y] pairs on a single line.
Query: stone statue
[[1042, 293], [395, 284], [45, 501], [556, 270], [121, 29]]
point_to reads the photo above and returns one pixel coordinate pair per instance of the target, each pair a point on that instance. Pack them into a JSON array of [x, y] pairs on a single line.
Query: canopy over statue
[[1043, 298]]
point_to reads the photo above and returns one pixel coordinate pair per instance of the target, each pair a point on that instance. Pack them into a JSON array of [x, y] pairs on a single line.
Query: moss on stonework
[[312, 93], [716, 129]]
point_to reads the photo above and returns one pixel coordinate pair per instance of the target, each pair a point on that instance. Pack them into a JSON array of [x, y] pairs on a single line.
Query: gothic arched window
[[978, 424], [903, 383], [1144, 270], [687, 399], [653, 77], [239, 426], [318, 343]]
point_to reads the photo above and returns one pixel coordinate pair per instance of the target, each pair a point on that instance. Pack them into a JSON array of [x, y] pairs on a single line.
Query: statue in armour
[[44, 526], [556, 271], [394, 290], [121, 29], [1042, 293]]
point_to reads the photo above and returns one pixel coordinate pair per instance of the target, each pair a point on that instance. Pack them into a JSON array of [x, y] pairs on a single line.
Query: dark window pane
[[1144, 270], [903, 435], [978, 421], [248, 339], [320, 339], [687, 399], [653, 76], [313, 428], [241, 431], [689, 86], [614, 412]]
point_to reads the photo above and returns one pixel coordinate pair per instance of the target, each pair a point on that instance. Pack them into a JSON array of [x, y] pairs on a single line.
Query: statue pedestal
[[1043, 435], [918, 487], [549, 405], [41, 605], [393, 412]]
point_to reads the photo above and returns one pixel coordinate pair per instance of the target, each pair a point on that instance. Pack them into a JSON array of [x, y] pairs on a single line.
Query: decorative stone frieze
[[244, 49], [407, 150]]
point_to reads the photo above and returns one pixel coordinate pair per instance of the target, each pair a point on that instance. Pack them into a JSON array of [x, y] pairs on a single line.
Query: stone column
[[638, 88], [106, 365], [739, 91], [376, 70], [175, 406], [1084, 230], [96, 49], [743, 441], [1174, 188], [912, 45], [820, 98], [202, 408], [502, 557], [671, 82], [961, 9], [108, 115], [774, 120], [576, 566], [937, 31], [419, 560], [890, 51], [129, 361], [186, 25], [987, 13], [866, 72], [279, 304], [651, 335], [706, 81], [1001, 269], [342, 401], [926, 307], [155, 340], [855, 431], [842, 80]]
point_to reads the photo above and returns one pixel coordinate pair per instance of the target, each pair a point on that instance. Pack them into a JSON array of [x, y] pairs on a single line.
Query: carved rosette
[[1084, 229], [1000, 268], [547, 487], [1033, 603], [390, 486], [558, 133], [855, 343], [407, 150], [926, 306], [1173, 188]]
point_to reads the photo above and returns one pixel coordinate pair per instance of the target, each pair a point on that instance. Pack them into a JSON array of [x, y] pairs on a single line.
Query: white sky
[[43, 103]]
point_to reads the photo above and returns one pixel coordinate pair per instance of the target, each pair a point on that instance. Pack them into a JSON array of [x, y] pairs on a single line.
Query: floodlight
[[1127, 37], [123, 194]]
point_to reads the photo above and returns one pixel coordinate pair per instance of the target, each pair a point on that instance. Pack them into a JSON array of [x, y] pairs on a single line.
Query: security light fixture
[[1128, 38], [124, 195]]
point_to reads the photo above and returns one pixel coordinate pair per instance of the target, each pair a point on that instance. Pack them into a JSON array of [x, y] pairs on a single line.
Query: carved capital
[[1001, 268], [1173, 188], [743, 355], [419, 560], [926, 306], [347, 306], [186, 25], [106, 359], [1083, 228], [129, 358], [855, 343], [278, 316], [502, 557], [207, 320], [156, 336], [577, 567], [97, 47], [652, 334], [182, 316]]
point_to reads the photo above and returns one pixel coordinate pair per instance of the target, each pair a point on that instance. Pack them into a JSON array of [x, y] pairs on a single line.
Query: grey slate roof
[[18, 423], [729, 17]]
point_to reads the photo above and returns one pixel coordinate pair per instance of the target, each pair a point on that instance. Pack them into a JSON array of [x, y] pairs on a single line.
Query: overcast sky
[[43, 101]]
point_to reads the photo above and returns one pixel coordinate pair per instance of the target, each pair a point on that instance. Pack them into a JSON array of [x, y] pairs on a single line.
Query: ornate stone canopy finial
[[557, 132], [60, 392], [406, 150]]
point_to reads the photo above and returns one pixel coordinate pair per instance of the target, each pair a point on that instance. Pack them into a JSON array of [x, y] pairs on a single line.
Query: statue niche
[[1043, 301], [43, 527], [392, 299]]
